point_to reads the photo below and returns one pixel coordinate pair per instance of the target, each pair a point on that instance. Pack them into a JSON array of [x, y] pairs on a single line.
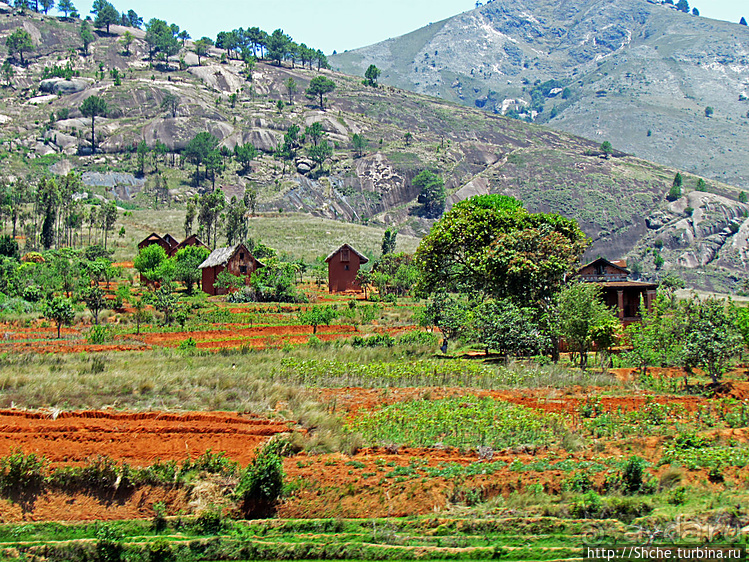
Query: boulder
[[304, 166], [62, 87]]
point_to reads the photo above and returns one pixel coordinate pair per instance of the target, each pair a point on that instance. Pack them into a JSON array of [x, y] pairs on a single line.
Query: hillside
[[475, 151], [634, 72]]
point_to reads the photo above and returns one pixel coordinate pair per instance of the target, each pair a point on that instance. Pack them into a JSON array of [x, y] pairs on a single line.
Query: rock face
[[61, 86], [636, 73]]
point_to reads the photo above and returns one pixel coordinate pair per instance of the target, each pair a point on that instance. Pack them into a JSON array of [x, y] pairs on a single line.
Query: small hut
[[236, 259], [152, 239], [343, 267], [191, 240]]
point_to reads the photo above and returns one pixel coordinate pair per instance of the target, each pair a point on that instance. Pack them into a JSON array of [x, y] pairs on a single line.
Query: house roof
[[191, 240], [153, 237], [606, 262], [169, 239], [362, 257], [629, 284], [221, 256]]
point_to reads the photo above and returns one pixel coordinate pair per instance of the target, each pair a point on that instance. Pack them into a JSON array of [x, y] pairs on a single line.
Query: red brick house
[[618, 290], [236, 259], [343, 266]]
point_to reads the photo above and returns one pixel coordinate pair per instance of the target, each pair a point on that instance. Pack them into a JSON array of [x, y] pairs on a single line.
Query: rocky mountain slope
[[634, 72], [614, 198]]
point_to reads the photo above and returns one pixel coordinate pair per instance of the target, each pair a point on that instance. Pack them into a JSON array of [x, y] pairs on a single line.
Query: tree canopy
[[318, 87], [18, 43], [490, 245], [93, 106]]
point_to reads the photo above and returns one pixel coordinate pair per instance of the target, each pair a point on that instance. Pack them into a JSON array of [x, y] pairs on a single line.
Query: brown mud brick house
[[154, 238], [618, 290], [343, 266], [236, 259], [191, 240]]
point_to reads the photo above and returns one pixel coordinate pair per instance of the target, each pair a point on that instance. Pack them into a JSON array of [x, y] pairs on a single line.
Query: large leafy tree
[[711, 336], [187, 261], [506, 328], [245, 154], [318, 87], [490, 245], [18, 43], [66, 7], [93, 106], [432, 194], [278, 46], [372, 74], [148, 261]]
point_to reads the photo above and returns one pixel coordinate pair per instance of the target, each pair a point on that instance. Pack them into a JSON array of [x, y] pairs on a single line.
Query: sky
[[333, 24]]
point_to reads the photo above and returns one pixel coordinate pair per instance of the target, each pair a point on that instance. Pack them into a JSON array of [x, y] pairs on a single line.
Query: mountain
[[637, 73], [619, 200]]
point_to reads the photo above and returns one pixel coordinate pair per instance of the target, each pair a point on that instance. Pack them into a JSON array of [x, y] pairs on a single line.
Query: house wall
[[241, 264], [342, 274], [609, 273]]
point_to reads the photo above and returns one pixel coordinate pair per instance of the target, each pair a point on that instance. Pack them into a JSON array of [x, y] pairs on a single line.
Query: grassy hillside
[[474, 151]]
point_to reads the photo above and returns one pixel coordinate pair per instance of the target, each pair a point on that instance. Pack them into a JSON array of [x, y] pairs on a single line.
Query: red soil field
[[138, 438]]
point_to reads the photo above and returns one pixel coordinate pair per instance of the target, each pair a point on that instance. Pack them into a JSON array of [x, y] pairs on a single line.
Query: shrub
[[108, 544], [98, 335], [261, 482], [632, 475], [188, 345], [578, 482], [379, 340], [419, 338], [21, 473]]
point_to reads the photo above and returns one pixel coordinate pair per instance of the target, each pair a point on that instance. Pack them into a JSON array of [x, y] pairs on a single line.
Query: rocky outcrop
[[60, 86]]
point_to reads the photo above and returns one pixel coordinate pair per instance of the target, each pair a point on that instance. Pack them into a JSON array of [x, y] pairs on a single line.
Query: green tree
[[186, 267], [107, 15], [506, 328], [432, 194], [408, 137], [47, 5], [201, 47], [170, 102], [142, 151], [584, 319], [709, 111], [458, 253], [360, 144], [683, 5], [321, 153], [291, 89], [372, 74], [93, 107], [148, 261], [60, 310], [245, 154], [743, 197], [87, 36], [318, 87], [95, 300], [316, 316], [388, 241], [18, 43], [606, 148], [66, 7], [126, 42], [711, 336], [109, 218], [278, 45], [8, 72], [198, 150], [165, 301], [160, 39], [742, 21], [448, 313], [656, 338], [315, 132]]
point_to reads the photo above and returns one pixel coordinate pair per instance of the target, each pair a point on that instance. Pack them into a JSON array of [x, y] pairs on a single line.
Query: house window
[[600, 269], [241, 255], [345, 255], [243, 269], [345, 267]]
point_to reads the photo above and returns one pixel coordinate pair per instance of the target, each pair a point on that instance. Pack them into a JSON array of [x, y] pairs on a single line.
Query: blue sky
[[333, 24]]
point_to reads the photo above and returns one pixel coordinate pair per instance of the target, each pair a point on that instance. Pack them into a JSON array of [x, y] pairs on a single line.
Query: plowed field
[[138, 438]]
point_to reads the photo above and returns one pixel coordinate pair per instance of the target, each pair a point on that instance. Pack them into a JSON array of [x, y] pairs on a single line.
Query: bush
[[98, 335], [419, 338], [578, 482], [21, 473], [632, 475], [379, 340], [261, 482], [187, 345]]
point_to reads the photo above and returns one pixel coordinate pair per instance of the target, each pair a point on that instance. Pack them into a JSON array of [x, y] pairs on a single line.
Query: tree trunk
[[93, 139]]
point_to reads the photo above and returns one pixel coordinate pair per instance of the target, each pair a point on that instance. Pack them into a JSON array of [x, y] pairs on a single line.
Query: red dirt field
[[138, 438]]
